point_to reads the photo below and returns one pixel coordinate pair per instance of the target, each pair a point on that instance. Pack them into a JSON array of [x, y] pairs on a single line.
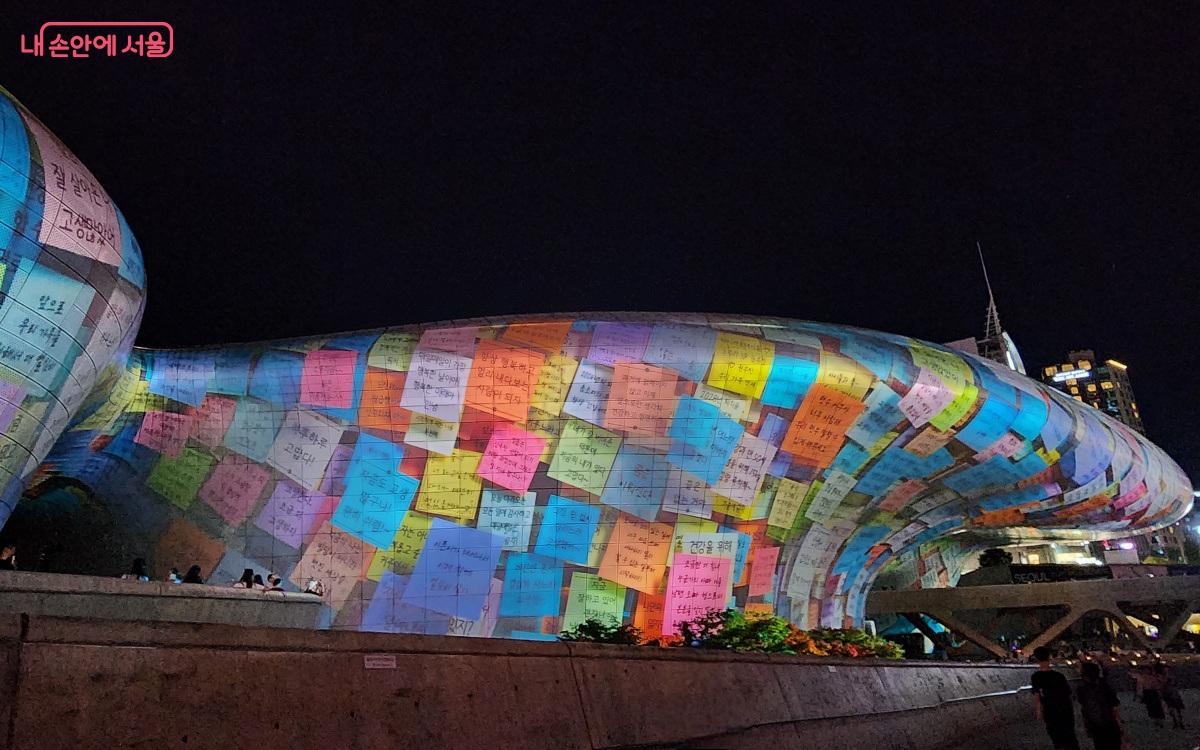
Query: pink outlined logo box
[[79, 39]]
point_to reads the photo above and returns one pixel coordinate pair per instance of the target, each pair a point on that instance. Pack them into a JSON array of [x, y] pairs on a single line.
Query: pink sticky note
[[164, 432], [328, 378], [511, 458], [212, 420], [233, 487], [698, 584], [1006, 446], [926, 399], [762, 570]]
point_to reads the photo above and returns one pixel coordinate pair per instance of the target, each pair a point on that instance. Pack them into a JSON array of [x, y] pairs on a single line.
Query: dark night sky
[[296, 169]]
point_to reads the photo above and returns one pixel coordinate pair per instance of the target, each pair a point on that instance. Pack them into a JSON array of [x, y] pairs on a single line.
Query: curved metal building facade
[[511, 477]]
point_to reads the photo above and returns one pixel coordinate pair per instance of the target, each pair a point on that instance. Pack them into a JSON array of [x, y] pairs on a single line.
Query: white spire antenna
[[991, 329]]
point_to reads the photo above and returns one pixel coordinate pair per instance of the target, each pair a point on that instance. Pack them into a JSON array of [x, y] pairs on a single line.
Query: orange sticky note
[[546, 336], [642, 399], [379, 408], [636, 555], [503, 379], [819, 427]]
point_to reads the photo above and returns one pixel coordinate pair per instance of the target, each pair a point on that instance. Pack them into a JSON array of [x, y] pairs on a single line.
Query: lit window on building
[[1084, 364], [1050, 370], [1107, 385], [1091, 387]]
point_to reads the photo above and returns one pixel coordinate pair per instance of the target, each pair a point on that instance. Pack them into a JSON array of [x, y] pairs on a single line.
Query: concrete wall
[[55, 595], [104, 684]]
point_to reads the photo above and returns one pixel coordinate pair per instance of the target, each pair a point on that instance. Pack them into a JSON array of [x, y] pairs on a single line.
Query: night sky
[[295, 169]]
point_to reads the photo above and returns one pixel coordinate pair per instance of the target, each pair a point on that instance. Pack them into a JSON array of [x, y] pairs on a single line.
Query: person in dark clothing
[[8, 557], [1149, 685], [138, 571], [193, 575], [1098, 706], [1052, 702]]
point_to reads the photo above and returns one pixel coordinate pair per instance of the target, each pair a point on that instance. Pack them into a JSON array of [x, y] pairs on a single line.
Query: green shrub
[[595, 631]]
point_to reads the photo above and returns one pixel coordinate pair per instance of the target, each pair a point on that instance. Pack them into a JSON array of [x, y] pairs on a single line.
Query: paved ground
[[1027, 733]]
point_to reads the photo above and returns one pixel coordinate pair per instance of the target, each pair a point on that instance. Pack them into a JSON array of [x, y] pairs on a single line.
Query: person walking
[[1149, 686], [1171, 696], [1098, 707], [1052, 702]]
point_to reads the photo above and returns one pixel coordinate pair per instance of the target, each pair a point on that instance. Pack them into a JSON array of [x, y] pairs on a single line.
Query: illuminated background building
[[1103, 385], [511, 476]]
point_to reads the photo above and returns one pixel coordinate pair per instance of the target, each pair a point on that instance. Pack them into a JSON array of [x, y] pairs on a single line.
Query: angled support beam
[[968, 632], [1170, 631], [1056, 628]]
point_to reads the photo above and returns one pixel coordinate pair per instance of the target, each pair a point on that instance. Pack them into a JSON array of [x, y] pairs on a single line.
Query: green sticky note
[[593, 598], [178, 479]]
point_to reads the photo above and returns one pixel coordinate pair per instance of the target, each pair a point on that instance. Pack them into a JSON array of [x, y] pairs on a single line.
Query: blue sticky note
[[231, 373], [850, 459], [876, 355], [637, 482], [349, 413], [453, 573], [567, 529], [532, 586], [707, 461], [789, 380], [133, 267], [387, 612], [529, 635], [140, 457], [1059, 426], [743, 551], [14, 168], [253, 429], [774, 427], [988, 425], [1031, 415], [377, 494], [694, 422], [181, 376], [277, 376]]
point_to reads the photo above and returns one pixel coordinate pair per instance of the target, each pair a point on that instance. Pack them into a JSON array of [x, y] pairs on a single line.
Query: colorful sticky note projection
[[303, 447], [387, 612], [648, 615], [453, 575], [436, 384], [548, 337], [844, 375], [687, 495], [212, 420], [511, 458], [584, 456], [233, 487], [636, 554], [636, 483], [927, 397], [593, 598], [400, 556], [393, 351], [589, 392], [688, 350], [741, 364], [460, 340], [503, 379], [292, 512], [532, 586], [790, 379], [508, 514], [432, 435], [762, 570], [178, 478], [164, 432], [277, 377], [180, 377], [731, 405], [335, 558], [833, 491], [697, 585], [567, 529], [820, 425], [450, 486], [255, 425], [618, 342], [553, 383], [641, 400], [743, 473], [377, 494], [379, 409]]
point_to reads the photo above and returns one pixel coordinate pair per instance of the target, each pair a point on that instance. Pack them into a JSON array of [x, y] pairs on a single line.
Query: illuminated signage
[[1072, 375]]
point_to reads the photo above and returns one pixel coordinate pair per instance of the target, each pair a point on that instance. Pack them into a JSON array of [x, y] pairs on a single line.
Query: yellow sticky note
[[450, 486], [118, 398], [948, 367], [844, 375], [741, 364], [956, 409], [789, 499], [554, 382], [584, 456], [401, 557], [688, 525], [393, 351]]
